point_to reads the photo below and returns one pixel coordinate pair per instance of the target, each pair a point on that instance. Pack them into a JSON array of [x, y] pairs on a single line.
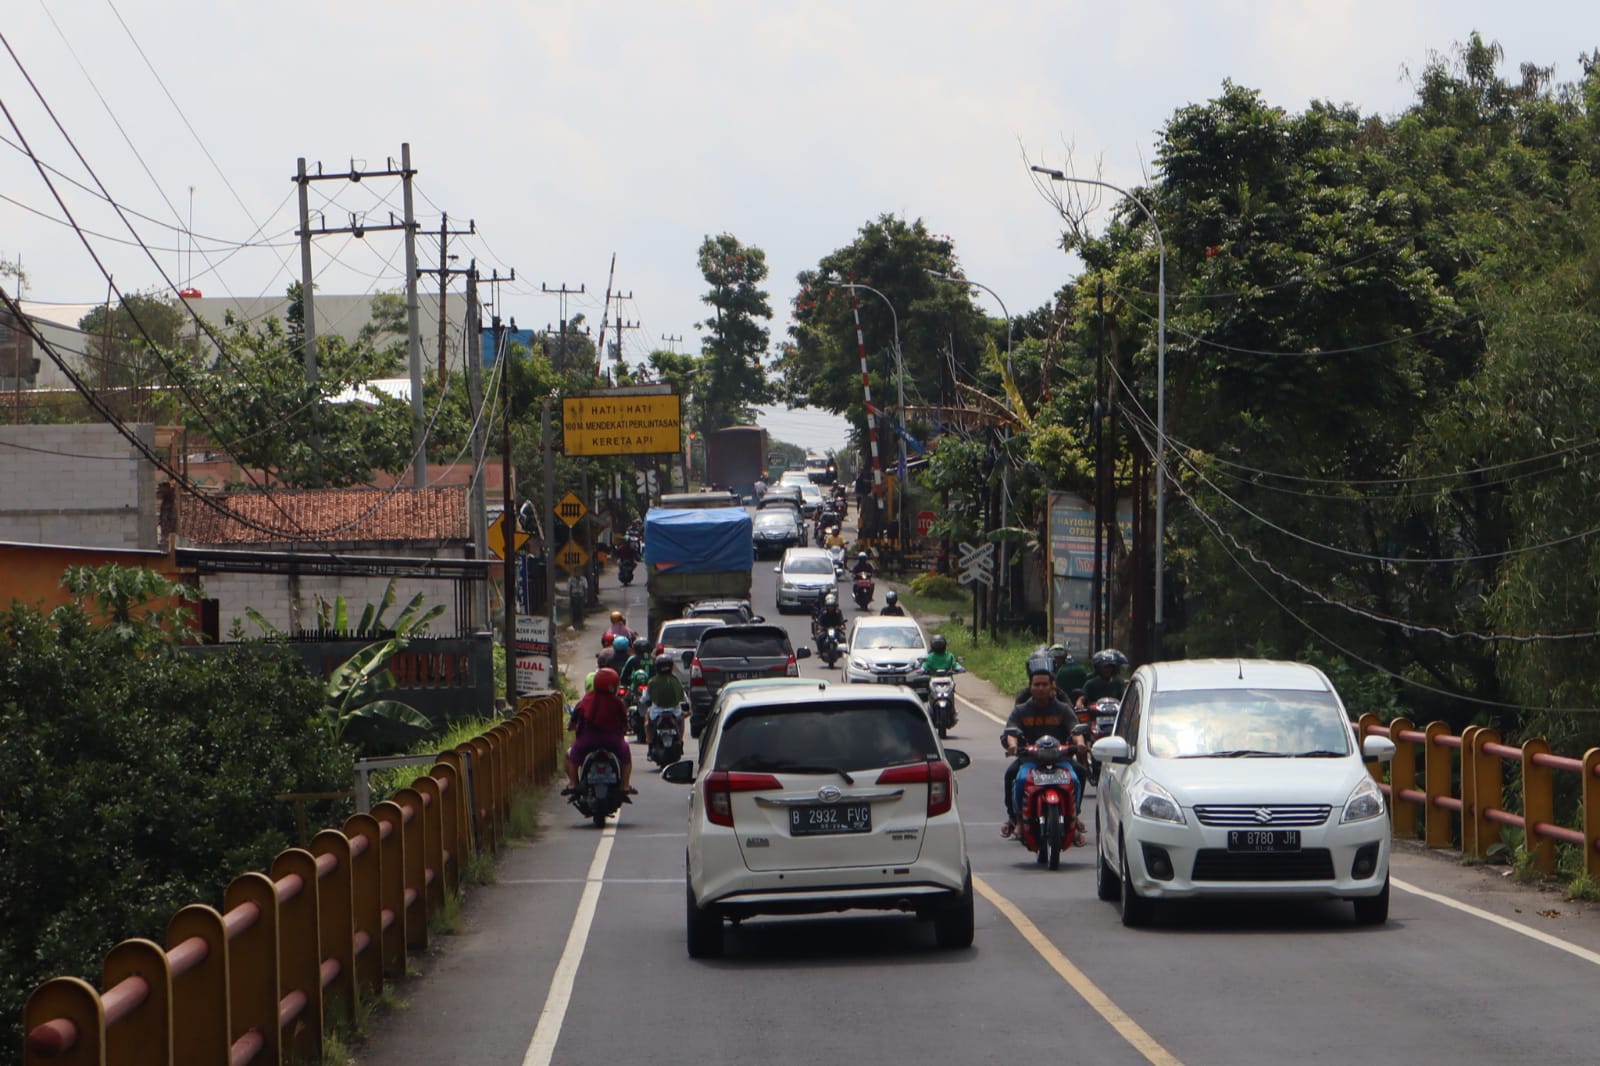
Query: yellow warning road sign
[[570, 509], [497, 536], [571, 557]]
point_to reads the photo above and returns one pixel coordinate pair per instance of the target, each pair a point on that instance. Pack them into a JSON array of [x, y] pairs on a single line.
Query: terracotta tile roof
[[327, 515]]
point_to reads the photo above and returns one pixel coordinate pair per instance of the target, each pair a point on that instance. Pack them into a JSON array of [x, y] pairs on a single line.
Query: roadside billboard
[[617, 423], [1072, 565]]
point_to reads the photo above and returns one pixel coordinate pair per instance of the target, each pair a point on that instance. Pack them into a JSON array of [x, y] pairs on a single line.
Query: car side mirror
[[758, 618], [777, 569], [1112, 750], [1376, 747], [802, 652], [958, 759], [844, 649], [679, 773]]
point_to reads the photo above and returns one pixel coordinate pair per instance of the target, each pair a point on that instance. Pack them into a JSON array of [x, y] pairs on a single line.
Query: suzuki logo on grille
[[829, 794], [1263, 815]]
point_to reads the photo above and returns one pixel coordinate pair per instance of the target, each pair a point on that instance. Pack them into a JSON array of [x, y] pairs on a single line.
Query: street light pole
[[900, 376], [1161, 378]]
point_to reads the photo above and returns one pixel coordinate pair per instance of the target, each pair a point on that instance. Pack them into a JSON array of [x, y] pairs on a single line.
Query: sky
[[569, 131]]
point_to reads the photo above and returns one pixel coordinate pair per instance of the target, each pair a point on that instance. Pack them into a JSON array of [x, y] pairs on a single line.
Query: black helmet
[[892, 597], [1110, 657], [663, 664], [1047, 749], [1039, 663], [939, 644]]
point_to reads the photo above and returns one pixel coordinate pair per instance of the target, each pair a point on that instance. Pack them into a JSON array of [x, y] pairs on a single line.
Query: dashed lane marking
[[1115, 1016]]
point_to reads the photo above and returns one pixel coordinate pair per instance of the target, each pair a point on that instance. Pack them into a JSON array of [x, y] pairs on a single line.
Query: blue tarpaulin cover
[[704, 541]]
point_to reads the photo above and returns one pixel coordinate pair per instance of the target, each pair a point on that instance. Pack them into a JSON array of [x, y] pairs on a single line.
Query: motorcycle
[[625, 571], [1049, 807], [599, 791], [828, 646], [837, 555], [635, 701], [1103, 722], [942, 700], [862, 590], [667, 747]]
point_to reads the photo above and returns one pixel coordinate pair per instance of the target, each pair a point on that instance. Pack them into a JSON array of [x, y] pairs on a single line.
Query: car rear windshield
[[686, 636], [718, 645], [818, 739], [1238, 723], [888, 637], [775, 519], [809, 565]]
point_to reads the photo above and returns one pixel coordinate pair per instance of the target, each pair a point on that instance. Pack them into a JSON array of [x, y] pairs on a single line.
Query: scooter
[[942, 700], [667, 747], [837, 555], [1049, 807], [862, 591], [1104, 720], [625, 572], [599, 791], [635, 702], [828, 646]]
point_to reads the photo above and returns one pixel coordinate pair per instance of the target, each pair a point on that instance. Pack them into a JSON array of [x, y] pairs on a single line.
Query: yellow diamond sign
[[497, 536], [570, 509], [571, 557]]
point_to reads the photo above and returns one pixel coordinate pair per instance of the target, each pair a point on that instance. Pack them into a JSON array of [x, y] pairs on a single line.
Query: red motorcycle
[[862, 590], [1049, 802]]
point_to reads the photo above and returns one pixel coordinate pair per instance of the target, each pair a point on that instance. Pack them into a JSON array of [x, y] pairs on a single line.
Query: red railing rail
[[1477, 759], [293, 949]]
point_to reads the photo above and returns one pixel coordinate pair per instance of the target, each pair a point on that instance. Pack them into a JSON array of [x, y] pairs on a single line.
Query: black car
[[738, 653], [774, 531]]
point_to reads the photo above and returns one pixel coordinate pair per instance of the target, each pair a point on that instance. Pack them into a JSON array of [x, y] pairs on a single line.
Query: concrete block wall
[[289, 602], [82, 485]]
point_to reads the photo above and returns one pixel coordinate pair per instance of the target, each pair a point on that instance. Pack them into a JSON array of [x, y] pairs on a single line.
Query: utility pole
[[477, 493], [358, 229], [444, 272], [605, 312], [508, 592], [547, 445], [419, 422], [562, 293], [620, 326]]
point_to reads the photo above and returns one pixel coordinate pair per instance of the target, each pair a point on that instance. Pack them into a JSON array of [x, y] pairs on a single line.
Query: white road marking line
[[1115, 1016], [1506, 923], [992, 717], [542, 1048]]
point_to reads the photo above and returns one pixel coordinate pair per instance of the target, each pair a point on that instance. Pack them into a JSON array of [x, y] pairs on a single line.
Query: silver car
[[804, 577]]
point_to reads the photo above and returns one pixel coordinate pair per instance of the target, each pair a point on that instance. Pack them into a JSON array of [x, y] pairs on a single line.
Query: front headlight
[[860, 666], [1364, 803], [1150, 800], [788, 586]]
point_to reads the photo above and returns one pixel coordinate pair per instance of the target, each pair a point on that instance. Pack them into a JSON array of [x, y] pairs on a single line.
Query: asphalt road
[[576, 955]]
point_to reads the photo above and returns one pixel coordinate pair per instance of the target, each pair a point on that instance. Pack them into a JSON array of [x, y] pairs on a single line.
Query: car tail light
[[792, 668], [696, 677], [720, 787], [935, 773]]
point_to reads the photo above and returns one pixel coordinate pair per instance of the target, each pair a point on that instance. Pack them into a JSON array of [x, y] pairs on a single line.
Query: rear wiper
[[1319, 753], [786, 768]]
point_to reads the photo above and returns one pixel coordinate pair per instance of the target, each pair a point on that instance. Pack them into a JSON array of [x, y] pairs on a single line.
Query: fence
[[1476, 759], [293, 949]]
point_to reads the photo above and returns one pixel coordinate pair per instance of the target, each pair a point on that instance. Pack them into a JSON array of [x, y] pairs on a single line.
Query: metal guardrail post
[[392, 886], [253, 964], [1470, 848], [1403, 776], [147, 1028], [1591, 812], [432, 817], [1437, 765], [200, 1013], [414, 864], [1538, 805], [299, 960], [449, 824], [336, 928], [366, 900]]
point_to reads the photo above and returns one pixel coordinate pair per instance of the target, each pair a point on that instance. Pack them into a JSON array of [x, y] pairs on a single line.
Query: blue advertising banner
[[1072, 565]]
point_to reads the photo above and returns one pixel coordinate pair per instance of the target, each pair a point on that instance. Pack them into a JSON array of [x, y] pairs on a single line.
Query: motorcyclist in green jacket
[[1107, 682], [939, 659]]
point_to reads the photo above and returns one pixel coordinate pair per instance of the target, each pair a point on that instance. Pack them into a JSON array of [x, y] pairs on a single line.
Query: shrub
[[938, 587], [136, 777]]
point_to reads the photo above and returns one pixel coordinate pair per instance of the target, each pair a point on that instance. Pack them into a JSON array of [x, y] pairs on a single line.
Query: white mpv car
[[815, 799], [1238, 777]]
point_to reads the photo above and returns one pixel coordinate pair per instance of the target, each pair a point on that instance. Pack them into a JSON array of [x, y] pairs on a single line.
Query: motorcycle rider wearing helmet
[[1070, 674], [829, 616], [602, 722], [664, 697], [891, 604], [632, 661], [619, 627], [863, 566], [1042, 714], [939, 659], [835, 538], [1107, 682]]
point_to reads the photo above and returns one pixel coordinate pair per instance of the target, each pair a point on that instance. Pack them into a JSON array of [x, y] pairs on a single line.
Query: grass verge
[[1002, 662]]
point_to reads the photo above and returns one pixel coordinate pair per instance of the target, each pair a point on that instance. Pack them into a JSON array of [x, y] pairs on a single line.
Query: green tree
[[735, 341], [129, 349]]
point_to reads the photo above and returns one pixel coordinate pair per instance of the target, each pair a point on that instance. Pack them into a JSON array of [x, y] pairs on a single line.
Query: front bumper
[[804, 596], [1202, 866]]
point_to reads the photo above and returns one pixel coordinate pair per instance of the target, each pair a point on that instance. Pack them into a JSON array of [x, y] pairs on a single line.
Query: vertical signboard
[[1072, 566], [533, 654]]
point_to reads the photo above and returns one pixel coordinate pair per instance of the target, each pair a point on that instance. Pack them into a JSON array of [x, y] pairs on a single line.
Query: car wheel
[[953, 926], [1106, 885], [1136, 910], [1373, 910], [704, 927]]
